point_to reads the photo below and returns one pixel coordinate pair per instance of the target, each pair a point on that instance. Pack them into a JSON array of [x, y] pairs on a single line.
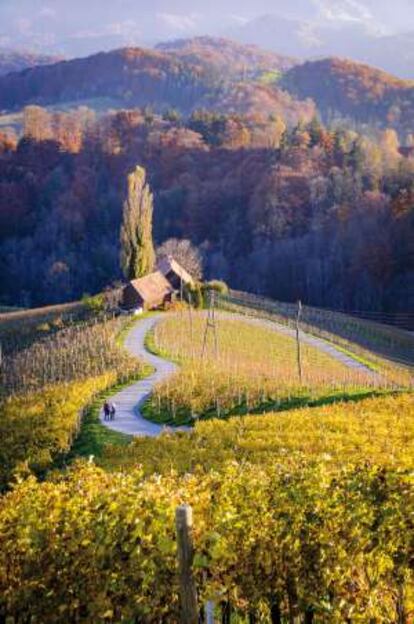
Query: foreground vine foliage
[[36, 428], [379, 430], [100, 547], [45, 388]]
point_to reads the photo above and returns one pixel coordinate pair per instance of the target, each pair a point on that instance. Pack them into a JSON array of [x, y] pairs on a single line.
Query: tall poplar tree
[[137, 249]]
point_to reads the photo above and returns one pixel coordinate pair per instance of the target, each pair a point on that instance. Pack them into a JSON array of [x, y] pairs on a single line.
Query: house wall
[[174, 280], [131, 299]]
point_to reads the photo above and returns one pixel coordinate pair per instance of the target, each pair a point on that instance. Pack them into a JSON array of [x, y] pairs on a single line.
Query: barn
[[174, 273], [147, 292]]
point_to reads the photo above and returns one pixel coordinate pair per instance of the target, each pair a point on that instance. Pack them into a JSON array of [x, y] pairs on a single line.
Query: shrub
[[94, 303], [216, 285]]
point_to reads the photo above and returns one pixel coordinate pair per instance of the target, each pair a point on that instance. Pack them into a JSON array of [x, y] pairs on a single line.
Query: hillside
[[130, 75], [329, 485], [228, 57], [250, 98], [14, 61], [303, 212], [219, 75], [354, 90], [196, 76]]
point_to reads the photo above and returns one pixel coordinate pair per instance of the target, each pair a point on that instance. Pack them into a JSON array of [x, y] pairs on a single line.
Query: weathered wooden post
[[188, 590], [211, 324], [299, 354], [190, 312]]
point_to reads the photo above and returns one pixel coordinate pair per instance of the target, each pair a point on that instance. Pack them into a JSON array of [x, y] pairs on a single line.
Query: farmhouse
[[157, 288], [175, 273], [147, 292]]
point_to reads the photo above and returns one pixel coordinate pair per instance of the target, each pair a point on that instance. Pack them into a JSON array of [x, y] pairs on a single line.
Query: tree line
[[292, 211]]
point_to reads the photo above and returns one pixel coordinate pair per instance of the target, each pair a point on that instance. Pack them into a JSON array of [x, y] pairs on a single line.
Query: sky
[[77, 26]]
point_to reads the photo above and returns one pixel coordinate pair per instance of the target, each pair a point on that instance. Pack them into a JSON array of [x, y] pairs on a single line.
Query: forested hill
[[131, 75], [312, 213], [229, 58], [160, 80], [12, 61], [223, 76], [354, 90]]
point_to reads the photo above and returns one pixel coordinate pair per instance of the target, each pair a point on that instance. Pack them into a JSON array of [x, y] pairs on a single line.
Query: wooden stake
[[190, 312], [188, 591], [211, 324], [299, 354]]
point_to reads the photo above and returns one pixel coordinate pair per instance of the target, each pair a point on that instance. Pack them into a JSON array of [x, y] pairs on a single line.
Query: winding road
[[128, 402]]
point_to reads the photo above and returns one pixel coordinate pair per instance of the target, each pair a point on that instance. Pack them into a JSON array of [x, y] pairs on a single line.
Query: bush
[[95, 304], [193, 294], [216, 285]]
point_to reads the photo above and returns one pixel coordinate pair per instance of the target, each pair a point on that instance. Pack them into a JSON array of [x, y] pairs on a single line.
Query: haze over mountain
[[375, 31], [15, 61]]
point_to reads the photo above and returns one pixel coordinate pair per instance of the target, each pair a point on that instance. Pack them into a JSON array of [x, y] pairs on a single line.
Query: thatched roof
[[152, 287], [168, 265]]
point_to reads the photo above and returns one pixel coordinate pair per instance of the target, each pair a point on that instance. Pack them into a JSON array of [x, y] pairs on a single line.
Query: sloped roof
[[168, 264], [152, 287]]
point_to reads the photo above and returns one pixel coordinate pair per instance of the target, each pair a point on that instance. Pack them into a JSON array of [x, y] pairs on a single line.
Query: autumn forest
[[294, 181]]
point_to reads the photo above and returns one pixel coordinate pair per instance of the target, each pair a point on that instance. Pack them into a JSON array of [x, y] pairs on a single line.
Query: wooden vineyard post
[[190, 312], [298, 350], [188, 590], [211, 325]]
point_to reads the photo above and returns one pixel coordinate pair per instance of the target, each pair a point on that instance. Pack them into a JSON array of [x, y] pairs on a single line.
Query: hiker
[[112, 411], [106, 410]]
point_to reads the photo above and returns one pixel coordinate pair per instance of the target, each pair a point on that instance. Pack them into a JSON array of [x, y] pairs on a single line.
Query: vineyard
[[22, 328], [78, 352], [379, 430], [255, 368], [300, 481], [272, 544], [45, 386], [388, 348]]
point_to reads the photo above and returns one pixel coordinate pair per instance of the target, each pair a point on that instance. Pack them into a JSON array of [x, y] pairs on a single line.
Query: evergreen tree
[[137, 249]]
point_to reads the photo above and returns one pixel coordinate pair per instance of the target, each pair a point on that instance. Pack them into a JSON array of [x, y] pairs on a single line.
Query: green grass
[[128, 325]]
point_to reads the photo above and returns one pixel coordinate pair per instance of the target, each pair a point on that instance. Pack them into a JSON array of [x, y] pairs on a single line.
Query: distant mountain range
[[378, 32], [14, 61]]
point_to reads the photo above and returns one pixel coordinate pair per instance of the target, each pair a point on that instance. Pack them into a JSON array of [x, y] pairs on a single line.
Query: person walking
[[106, 410], [112, 408]]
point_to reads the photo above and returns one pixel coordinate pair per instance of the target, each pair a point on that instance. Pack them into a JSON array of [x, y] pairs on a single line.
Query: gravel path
[[128, 402]]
